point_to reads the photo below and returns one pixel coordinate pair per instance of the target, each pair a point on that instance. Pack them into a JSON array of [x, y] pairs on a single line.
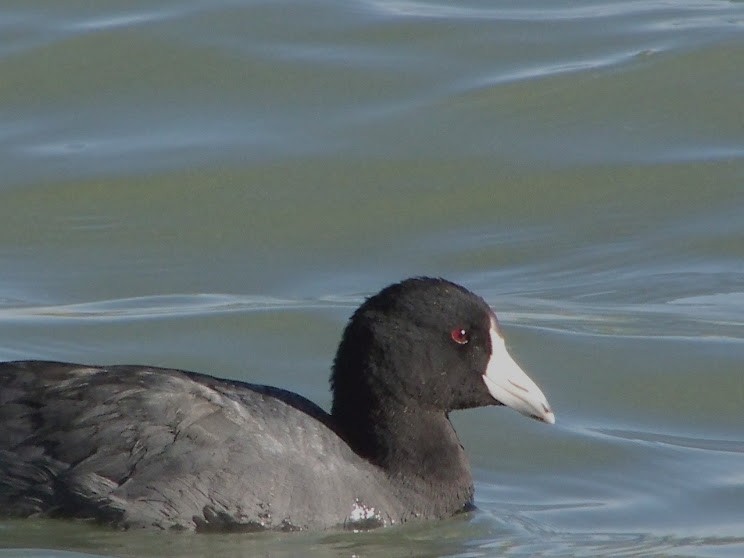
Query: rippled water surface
[[216, 185]]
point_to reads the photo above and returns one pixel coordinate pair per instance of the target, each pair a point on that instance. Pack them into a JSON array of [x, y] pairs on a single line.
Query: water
[[216, 185]]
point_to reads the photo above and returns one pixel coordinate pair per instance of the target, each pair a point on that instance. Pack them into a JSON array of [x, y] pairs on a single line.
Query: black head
[[426, 345]]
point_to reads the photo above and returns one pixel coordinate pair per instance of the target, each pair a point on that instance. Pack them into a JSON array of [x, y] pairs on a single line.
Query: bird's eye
[[460, 335]]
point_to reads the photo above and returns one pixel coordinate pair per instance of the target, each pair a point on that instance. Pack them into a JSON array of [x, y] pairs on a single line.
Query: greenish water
[[216, 185]]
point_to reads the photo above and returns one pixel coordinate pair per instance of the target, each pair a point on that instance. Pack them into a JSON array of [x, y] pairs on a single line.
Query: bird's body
[[126, 445]]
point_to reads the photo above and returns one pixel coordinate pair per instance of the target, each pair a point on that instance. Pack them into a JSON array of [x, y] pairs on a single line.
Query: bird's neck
[[415, 447]]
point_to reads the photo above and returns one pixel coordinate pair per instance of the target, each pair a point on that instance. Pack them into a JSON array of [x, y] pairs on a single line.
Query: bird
[[133, 446]]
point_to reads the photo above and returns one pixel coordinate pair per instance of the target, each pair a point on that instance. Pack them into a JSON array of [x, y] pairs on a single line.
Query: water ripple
[[568, 11], [705, 318], [151, 307], [686, 442]]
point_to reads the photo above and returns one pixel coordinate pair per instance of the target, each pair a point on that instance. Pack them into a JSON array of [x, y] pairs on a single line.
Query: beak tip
[[548, 417]]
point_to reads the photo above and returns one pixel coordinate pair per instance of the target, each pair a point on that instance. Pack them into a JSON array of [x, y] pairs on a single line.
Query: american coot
[[137, 446]]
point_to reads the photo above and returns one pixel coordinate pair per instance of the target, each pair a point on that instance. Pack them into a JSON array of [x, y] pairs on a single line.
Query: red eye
[[460, 335]]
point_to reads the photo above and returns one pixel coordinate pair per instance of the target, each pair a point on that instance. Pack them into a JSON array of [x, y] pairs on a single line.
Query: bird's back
[[138, 446]]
